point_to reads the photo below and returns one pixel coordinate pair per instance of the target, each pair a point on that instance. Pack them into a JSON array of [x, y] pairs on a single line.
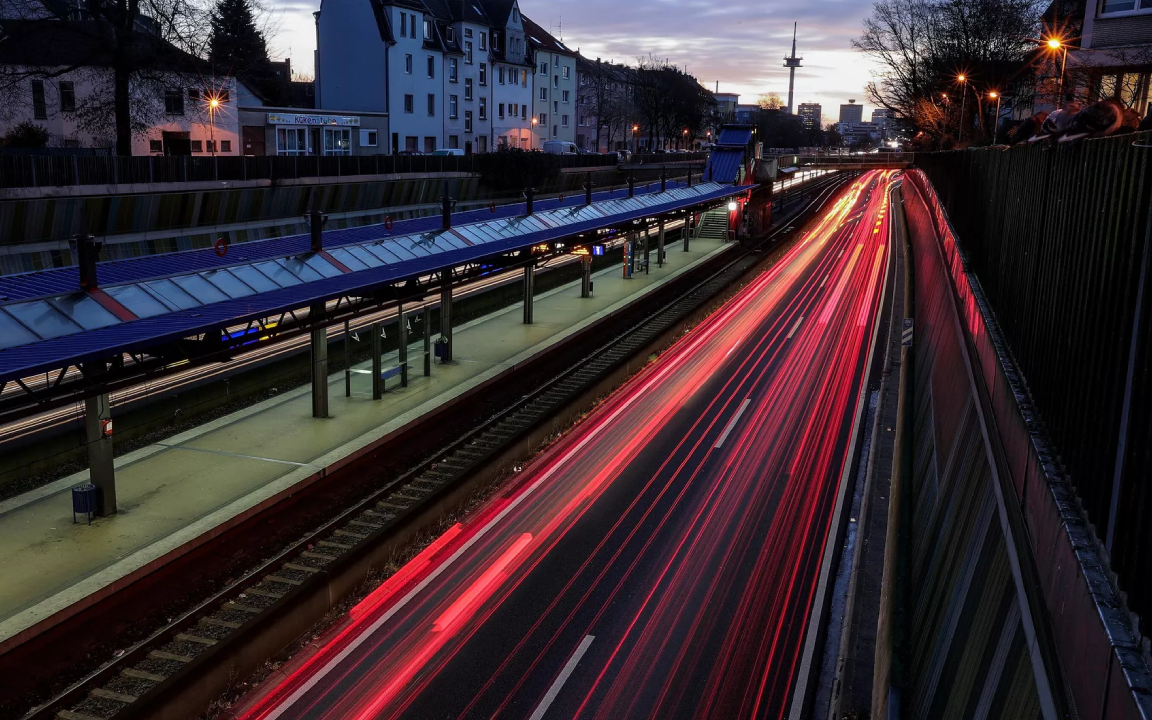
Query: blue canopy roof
[[735, 135], [46, 324]]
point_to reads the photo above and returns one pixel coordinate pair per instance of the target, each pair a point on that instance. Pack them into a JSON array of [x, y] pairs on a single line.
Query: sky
[[740, 43]]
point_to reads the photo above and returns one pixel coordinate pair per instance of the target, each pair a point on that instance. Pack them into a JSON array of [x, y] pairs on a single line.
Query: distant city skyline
[[741, 44]]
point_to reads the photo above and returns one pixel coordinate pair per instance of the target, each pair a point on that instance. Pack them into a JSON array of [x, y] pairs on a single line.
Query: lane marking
[[795, 327], [732, 423], [562, 678]]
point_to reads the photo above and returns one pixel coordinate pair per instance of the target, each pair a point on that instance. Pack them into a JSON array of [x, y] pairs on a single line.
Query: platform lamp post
[[963, 106]]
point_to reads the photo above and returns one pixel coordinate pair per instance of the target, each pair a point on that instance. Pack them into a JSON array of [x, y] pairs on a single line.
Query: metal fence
[[47, 171], [666, 158], [1059, 238]]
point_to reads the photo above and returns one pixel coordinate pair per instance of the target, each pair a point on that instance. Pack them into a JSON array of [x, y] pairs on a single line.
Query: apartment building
[[513, 75], [555, 86], [1115, 54]]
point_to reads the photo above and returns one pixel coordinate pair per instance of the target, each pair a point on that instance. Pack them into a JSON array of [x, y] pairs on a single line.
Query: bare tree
[[770, 101]]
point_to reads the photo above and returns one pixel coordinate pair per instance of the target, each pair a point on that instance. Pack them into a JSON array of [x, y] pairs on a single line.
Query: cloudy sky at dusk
[[741, 43]]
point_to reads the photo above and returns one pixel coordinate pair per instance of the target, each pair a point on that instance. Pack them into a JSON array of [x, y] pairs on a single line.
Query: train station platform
[[175, 494]]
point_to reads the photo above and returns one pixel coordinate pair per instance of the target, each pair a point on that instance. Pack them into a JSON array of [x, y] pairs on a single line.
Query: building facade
[[513, 74], [1115, 55], [809, 114], [555, 86], [851, 113]]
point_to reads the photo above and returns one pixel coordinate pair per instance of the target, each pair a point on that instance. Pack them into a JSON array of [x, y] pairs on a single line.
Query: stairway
[[714, 225]]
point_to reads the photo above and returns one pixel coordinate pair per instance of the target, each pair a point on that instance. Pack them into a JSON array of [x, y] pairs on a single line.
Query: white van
[[456, 152], [560, 147]]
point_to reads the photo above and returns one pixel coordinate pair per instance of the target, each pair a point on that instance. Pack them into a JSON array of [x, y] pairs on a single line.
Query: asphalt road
[[661, 559]]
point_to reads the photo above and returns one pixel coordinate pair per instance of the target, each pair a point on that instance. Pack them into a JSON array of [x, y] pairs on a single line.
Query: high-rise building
[[881, 117], [851, 113], [810, 115]]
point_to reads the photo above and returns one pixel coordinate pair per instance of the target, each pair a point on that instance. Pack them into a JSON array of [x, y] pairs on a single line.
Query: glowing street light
[[963, 104], [1055, 44], [995, 118], [213, 102]]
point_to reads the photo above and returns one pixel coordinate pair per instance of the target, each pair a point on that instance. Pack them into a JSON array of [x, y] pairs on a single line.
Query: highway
[[658, 561]]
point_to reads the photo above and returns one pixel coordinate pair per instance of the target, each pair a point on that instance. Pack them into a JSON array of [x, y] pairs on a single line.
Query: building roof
[[86, 43], [498, 11], [541, 39], [45, 322]]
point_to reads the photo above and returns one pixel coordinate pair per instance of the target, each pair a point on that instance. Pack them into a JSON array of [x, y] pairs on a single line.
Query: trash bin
[[84, 501], [440, 349]]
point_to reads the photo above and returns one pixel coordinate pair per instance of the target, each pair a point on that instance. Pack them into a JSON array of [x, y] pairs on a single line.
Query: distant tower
[[792, 63]]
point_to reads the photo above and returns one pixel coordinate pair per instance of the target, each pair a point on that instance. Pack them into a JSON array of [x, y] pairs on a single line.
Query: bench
[[385, 374]]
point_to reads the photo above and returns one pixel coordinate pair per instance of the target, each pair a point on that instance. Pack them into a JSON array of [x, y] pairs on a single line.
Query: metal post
[[446, 313], [688, 230], [631, 184], [319, 367], [402, 349], [98, 434], [347, 359], [647, 253], [664, 179], [446, 209], [529, 290], [426, 318], [377, 384], [588, 190], [316, 221], [660, 246], [586, 276], [628, 257], [529, 197]]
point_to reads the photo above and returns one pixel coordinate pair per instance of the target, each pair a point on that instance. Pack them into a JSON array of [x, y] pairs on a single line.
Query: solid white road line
[[562, 678], [732, 423]]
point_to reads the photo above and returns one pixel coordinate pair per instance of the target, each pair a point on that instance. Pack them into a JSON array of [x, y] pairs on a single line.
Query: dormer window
[[427, 29], [451, 34], [467, 32], [515, 14]]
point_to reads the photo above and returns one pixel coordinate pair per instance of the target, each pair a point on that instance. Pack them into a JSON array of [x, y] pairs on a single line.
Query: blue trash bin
[[440, 349], [84, 501]]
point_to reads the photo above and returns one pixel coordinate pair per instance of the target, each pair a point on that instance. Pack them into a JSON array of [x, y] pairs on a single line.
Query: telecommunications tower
[[792, 62]]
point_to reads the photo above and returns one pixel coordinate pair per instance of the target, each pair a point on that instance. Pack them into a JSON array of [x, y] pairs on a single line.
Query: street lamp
[[635, 138], [213, 107], [1058, 44], [963, 104], [995, 118], [685, 138]]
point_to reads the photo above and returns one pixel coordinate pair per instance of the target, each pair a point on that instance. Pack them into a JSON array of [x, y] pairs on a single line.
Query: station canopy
[[46, 322]]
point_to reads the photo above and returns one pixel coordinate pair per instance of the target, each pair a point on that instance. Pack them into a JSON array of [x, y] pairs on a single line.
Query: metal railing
[[57, 171], [851, 159], [665, 158], [1059, 239]]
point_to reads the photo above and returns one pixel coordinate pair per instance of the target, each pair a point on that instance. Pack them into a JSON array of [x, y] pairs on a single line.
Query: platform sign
[[597, 250]]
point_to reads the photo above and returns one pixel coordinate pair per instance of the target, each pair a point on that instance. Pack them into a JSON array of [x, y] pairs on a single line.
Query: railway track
[[211, 636]]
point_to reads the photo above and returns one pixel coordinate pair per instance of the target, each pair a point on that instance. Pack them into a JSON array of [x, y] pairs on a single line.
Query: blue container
[[440, 349], [84, 501]]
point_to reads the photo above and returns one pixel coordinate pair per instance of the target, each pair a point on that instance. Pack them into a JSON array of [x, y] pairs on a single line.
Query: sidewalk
[[177, 493]]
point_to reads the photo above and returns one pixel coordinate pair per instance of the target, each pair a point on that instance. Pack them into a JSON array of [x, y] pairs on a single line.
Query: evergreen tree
[[237, 46]]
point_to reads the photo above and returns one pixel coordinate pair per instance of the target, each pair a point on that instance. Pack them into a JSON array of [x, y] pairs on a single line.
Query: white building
[[555, 86], [513, 77], [178, 109]]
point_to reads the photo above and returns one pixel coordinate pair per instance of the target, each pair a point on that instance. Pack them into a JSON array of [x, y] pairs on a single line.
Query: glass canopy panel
[[200, 289], [254, 279], [449, 241], [380, 251], [363, 256], [474, 236], [138, 301], [297, 267], [278, 273], [348, 260], [420, 245], [13, 333], [228, 283], [322, 266], [44, 320], [84, 311], [167, 291], [399, 249]]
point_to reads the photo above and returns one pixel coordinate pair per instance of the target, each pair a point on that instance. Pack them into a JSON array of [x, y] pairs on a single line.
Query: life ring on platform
[[221, 247], [388, 223]]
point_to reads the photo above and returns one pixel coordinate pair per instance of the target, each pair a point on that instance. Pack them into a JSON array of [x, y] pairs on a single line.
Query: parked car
[[457, 152], [560, 147]]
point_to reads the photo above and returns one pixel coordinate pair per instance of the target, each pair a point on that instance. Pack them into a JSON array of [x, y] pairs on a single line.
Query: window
[[467, 88], [411, 142], [555, 131], [483, 108], [67, 96], [483, 41], [431, 105], [408, 64], [565, 96], [467, 121], [544, 94], [453, 106], [156, 146], [413, 26], [403, 24], [523, 78], [565, 71], [291, 141], [337, 141], [427, 29], [555, 81], [453, 69], [369, 138], [564, 120], [555, 106], [197, 146], [468, 52], [193, 94], [500, 75], [431, 66], [429, 145], [543, 68], [1114, 6], [39, 107], [467, 32], [210, 146], [226, 146], [409, 103], [483, 74], [173, 102], [454, 142], [451, 34], [500, 111], [523, 112], [543, 119]]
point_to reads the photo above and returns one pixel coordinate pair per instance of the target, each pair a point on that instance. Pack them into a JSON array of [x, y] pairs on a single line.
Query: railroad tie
[[110, 695], [142, 675]]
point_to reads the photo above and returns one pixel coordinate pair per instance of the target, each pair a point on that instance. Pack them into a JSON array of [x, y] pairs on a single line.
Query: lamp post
[[213, 106], [995, 118], [635, 139], [963, 105], [685, 138], [1058, 44], [535, 122]]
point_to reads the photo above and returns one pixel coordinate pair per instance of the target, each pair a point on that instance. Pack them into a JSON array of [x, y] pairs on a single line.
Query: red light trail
[[661, 560]]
